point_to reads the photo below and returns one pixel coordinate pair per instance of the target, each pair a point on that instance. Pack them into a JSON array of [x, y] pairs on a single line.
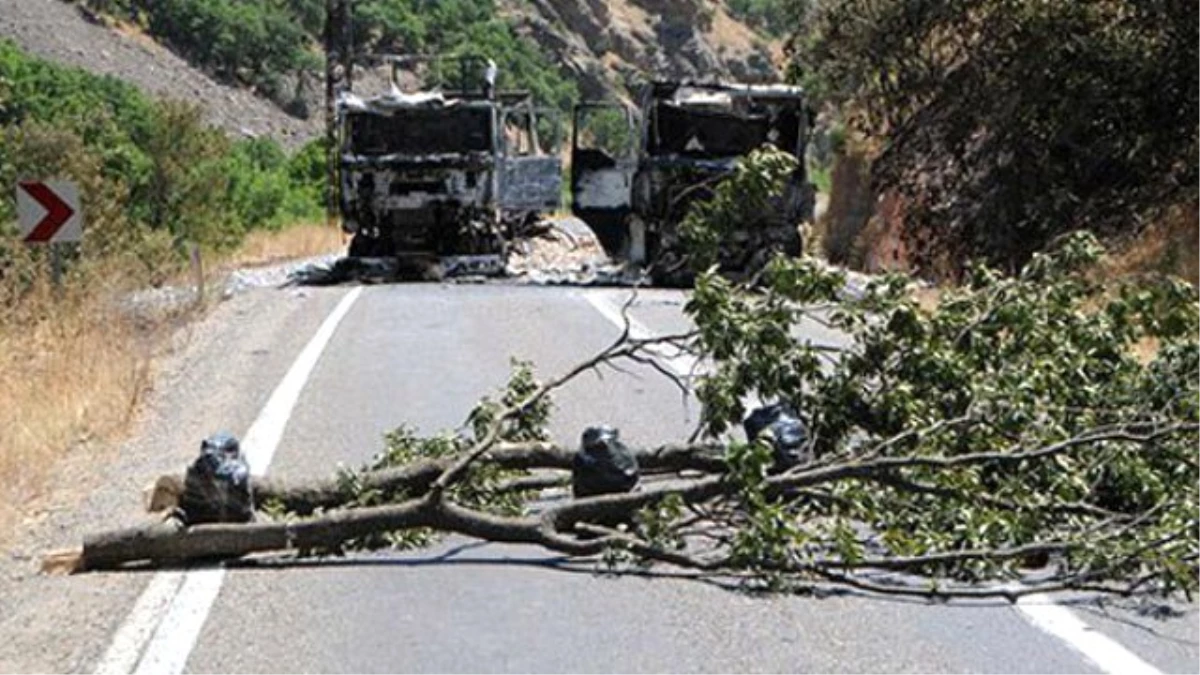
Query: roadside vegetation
[[1033, 430], [774, 18], [153, 172], [999, 126], [275, 46], [155, 182]]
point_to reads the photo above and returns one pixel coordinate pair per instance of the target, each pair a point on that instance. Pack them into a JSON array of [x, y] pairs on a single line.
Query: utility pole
[[338, 64]]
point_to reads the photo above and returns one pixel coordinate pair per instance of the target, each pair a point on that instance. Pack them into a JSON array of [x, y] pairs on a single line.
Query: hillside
[[560, 49], [1002, 127], [608, 45], [58, 31]]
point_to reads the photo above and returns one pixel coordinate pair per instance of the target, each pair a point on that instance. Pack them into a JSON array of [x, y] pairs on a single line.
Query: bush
[[267, 189], [264, 43], [143, 165], [773, 17], [521, 65], [256, 43]]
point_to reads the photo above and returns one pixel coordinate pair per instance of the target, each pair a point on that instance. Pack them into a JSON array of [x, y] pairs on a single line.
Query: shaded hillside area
[[57, 31], [1002, 127]]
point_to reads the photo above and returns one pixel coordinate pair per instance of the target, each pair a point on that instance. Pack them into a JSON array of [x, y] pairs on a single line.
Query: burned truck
[[443, 166], [634, 176]]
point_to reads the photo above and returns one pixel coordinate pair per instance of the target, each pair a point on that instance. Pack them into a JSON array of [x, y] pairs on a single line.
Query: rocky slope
[[609, 45], [58, 31]]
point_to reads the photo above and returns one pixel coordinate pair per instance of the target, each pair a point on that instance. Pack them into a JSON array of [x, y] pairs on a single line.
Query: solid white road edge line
[[138, 628], [166, 620], [1039, 610], [1106, 653]]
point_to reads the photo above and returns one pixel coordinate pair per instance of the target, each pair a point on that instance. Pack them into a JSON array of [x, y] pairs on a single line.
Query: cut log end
[[63, 562], [163, 494]]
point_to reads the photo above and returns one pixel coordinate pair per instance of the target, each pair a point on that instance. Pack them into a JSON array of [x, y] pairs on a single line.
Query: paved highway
[[422, 355]]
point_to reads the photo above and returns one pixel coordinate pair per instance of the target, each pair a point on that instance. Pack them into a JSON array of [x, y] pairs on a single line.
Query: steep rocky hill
[[610, 44]]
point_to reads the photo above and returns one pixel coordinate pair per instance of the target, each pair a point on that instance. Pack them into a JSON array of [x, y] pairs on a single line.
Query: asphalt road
[[422, 355]]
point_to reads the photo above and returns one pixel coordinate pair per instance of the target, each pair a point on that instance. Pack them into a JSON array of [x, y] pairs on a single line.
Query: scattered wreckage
[[444, 179]]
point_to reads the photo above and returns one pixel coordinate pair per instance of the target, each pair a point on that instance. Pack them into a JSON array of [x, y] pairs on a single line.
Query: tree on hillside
[[1007, 123], [773, 17]]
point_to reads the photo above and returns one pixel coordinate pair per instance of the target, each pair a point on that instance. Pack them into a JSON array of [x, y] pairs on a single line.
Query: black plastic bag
[[788, 435], [603, 464], [217, 486]]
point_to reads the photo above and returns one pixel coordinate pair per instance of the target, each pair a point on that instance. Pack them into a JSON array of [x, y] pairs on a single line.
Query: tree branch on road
[[976, 449]]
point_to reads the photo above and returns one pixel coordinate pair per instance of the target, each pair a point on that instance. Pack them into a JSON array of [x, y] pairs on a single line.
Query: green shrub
[[773, 17], [266, 189], [256, 43], [144, 166], [1009, 124]]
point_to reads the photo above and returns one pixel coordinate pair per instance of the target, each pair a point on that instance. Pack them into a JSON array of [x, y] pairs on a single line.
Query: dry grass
[[76, 367], [74, 370], [1170, 245], [263, 247], [928, 298], [739, 39], [630, 16]]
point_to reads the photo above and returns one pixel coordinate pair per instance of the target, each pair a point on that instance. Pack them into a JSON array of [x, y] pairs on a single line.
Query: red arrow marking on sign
[[57, 211]]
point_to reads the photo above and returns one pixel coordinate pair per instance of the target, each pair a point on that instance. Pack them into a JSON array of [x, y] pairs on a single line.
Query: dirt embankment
[[57, 31], [863, 229]]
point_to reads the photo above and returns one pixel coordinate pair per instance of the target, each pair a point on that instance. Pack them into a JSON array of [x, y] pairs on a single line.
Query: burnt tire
[[363, 246]]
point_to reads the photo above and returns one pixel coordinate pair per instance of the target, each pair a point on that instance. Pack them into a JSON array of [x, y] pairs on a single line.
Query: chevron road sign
[[48, 212]]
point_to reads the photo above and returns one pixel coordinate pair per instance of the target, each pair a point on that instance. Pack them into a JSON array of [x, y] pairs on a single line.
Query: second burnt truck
[[634, 175]]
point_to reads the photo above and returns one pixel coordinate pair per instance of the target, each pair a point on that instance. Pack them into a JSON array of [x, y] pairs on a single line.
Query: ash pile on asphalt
[[564, 254]]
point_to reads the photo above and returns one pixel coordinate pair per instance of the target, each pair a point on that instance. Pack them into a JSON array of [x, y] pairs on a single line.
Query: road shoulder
[[216, 376]]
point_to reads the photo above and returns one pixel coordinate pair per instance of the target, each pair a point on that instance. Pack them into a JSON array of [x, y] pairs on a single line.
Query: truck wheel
[[362, 246]]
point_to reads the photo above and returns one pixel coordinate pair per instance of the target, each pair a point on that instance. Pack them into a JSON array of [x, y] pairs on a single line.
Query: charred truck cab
[[633, 178], [451, 171]]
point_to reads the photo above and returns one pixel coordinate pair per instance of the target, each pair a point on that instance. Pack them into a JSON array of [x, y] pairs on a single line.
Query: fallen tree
[[1028, 434]]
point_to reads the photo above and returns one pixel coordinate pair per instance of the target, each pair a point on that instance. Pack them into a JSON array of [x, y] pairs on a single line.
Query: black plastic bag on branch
[[217, 486], [603, 464], [788, 435]]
